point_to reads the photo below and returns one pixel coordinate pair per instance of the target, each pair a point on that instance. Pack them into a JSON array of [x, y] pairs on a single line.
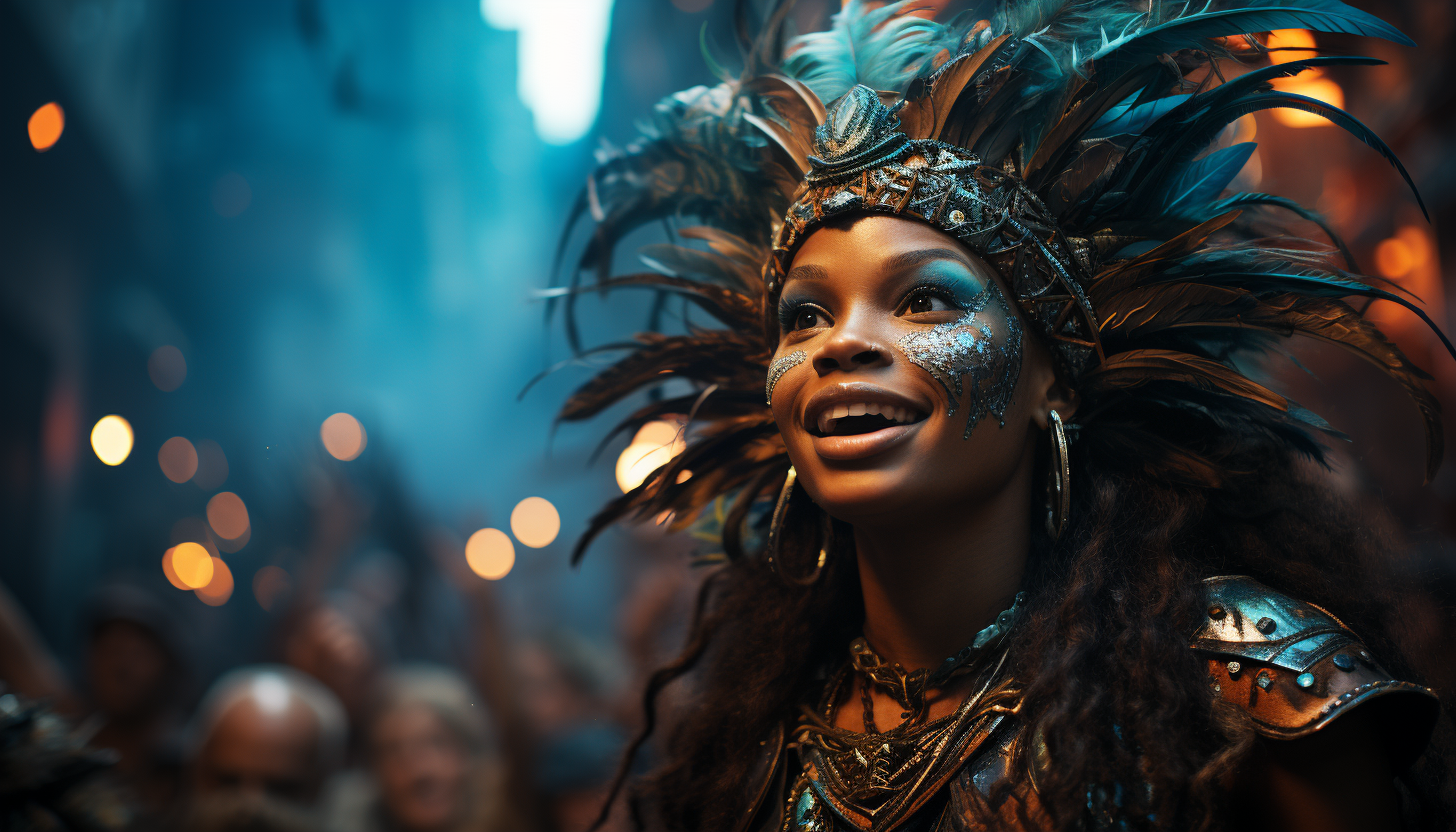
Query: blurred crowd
[[336, 727]]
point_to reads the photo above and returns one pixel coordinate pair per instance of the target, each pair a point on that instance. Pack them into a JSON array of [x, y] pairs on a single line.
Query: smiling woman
[[1035, 552]]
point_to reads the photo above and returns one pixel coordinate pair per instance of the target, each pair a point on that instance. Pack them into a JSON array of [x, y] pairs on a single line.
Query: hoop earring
[[775, 527], [1059, 480]]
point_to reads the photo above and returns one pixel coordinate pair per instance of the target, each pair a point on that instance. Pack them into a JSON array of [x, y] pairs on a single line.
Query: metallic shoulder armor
[[1295, 668]]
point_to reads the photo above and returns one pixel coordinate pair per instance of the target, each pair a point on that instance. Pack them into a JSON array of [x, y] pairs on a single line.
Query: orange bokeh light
[[45, 126], [1293, 45], [192, 564], [535, 522], [170, 572], [218, 590], [655, 444], [178, 459], [1311, 86], [227, 515], [344, 438], [490, 554]]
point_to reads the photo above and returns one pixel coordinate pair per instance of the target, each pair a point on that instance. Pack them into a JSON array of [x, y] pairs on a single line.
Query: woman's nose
[[851, 346]]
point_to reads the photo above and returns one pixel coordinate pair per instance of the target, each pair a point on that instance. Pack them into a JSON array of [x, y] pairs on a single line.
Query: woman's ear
[[1047, 388]]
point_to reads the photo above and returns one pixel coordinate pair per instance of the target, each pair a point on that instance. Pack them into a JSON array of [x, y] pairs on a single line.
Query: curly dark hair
[[1105, 643]]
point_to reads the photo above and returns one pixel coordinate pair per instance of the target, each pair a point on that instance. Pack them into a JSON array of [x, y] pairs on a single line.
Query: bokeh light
[[212, 466], [655, 444], [167, 368], [1290, 45], [178, 459], [344, 438], [271, 586], [220, 588], [170, 572], [227, 515], [45, 126], [1394, 258], [535, 522], [490, 554], [1317, 87], [111, 439], [192, 564], [231, 195]]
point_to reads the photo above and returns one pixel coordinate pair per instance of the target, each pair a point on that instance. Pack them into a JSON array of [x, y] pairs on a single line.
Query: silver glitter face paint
[[987, 348], [777, 369]]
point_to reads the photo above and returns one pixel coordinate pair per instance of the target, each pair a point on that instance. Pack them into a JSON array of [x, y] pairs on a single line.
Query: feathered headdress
[[1075, 145]]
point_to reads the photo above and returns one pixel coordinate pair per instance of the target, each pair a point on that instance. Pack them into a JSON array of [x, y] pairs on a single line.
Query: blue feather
[[1126, 118], [1187, 31], [1201, 181]]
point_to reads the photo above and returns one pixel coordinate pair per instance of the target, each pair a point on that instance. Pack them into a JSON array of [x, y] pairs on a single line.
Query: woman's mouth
[[857, 418], [853, 428]]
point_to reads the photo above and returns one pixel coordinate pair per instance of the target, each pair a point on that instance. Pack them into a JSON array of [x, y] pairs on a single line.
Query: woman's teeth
[[829, 418]]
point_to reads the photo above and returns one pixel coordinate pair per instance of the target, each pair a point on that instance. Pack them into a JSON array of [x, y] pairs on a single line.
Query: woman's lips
[[862, 445]]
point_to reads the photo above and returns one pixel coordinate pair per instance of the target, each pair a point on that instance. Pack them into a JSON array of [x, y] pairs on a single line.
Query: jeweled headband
[[862, 162]]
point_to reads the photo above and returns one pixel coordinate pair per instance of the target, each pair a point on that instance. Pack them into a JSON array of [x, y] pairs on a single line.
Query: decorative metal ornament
[[775, 529], [1059, 480]]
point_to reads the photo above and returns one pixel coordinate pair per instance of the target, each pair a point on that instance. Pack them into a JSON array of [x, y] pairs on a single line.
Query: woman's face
[[421, 767], [905, 379]]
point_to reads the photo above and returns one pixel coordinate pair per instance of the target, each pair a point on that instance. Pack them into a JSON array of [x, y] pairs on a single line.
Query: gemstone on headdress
[[858, 132]]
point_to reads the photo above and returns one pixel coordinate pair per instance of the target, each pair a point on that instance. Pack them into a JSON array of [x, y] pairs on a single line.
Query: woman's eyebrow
[[806, 272], [907, 260], [895, 264]]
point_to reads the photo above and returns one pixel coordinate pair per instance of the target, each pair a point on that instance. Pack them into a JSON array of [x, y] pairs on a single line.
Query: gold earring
[[1059, 480], [775, 526]]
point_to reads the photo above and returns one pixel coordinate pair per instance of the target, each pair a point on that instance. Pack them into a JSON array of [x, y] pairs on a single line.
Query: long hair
[[1111, 112], [1104, 643]]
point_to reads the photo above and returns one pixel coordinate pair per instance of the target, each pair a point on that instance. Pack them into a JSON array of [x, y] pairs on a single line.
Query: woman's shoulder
[[1295, 668]]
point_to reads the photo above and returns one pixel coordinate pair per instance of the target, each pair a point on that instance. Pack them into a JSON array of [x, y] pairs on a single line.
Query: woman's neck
[[930, 587]]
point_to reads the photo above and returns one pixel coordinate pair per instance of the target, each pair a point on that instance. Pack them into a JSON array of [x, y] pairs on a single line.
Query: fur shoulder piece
[[1295, 668]]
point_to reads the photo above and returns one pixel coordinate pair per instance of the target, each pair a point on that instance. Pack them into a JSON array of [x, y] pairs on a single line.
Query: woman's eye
[[807, 317], [928, 302]]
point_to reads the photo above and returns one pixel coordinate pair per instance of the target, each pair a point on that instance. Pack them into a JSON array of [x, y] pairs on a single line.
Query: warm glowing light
[[1311, 86], [220, 588], [535, 522], [490, 554], [227, 515], [655, 444], [1408, 250], [167, 368], [178, 459], [192, 564], [270, 586], [170, 572], [344, 438], [231, 195], [212, 465], [1290, 45], [45, 126], [1393, 258], [111, 439]]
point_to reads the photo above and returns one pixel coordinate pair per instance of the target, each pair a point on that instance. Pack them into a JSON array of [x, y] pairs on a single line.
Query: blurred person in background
[[133, 684], [332, 642], [264, 742], [431, 761]]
